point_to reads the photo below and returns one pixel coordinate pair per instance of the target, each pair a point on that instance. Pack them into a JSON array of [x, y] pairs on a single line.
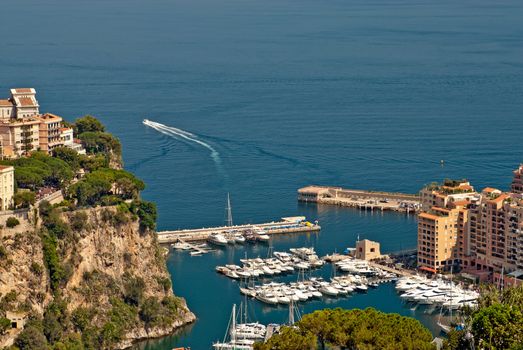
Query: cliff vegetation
[[87, 272]]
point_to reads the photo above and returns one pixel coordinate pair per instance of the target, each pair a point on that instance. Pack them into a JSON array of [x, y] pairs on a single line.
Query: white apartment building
[[7, 187]]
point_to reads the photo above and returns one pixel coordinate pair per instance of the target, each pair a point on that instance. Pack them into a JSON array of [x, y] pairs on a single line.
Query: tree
[[355, 329], [146, 211], [289, 339], [100, 142], [88, 123], [31, 338], [24, 199], [12, 222], [68, 155], [5, 324], [498, 326]]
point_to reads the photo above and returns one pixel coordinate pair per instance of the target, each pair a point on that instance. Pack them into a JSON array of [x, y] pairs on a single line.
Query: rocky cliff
[[94, 276]]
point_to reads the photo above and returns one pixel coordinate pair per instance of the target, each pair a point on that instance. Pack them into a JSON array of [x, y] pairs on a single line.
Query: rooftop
[[26, 102], [23, 90], [5, 167], [429, 216], [499, 198], [6, 103], [490, 190], [49, 117]]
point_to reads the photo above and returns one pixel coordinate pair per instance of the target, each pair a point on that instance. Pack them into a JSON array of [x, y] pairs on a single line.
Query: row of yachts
[[445, 294], [253, 235], [275, 293], [281, 263]]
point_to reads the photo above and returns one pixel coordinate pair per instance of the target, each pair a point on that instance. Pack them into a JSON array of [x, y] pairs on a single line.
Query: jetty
[[286, 225], [360, 199]]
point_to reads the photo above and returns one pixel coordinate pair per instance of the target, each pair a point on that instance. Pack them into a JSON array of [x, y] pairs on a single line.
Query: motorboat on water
[[181, 245], [217, 239]]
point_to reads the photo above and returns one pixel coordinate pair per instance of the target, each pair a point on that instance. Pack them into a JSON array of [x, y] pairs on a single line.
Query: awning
[[429, 269]]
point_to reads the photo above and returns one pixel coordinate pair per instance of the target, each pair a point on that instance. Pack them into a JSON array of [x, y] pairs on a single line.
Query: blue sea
[[279, 95]]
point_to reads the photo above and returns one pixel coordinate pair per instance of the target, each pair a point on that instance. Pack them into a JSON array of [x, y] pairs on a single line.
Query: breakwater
[[361, 199], [286, 225]]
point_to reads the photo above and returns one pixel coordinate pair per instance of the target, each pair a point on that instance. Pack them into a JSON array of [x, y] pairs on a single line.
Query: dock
[[360, 199], [286, 225]]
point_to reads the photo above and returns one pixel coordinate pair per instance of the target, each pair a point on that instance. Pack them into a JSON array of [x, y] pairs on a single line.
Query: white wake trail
[[171, 131], [175, 130]]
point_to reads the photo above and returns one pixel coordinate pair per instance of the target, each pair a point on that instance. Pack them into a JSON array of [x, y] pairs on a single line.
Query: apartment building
[[19, 136], [442, 224], [24, 129], [517, 182], [478, 232], [49, 131], [7, 185]]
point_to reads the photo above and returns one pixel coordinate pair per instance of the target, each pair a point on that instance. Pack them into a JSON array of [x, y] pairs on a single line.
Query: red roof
[[23, 90], [26, 101], [428, 269], [6, 103]]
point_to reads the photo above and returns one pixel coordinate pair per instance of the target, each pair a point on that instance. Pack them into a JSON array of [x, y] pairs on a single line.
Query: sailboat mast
[[291, 313], [233, 333], [229, 211]]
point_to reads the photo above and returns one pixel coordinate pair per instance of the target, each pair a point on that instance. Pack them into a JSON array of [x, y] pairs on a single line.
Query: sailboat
[[232, 236], [234, 343]]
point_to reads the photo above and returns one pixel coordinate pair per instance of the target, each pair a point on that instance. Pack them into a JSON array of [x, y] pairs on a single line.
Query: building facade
[[23, 129], [7, 187], [478, 232], [517, 183]]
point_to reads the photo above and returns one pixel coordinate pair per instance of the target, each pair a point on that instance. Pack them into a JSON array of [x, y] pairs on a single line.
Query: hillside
[[87, 272]]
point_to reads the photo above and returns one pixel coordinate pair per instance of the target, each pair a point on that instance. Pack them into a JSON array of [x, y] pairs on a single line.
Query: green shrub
[[133, 290], [37, 269], [24, 199], [12, 222], [3, 252], [78, 220], [146, 212], [31, 338], [165, 282], [5, 324], [52, 261]]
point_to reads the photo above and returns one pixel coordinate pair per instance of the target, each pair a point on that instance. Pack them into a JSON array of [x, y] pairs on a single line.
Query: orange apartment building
[[478, 232], [517, 183]]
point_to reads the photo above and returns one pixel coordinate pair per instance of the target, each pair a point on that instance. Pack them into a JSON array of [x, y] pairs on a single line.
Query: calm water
[[363, 94]]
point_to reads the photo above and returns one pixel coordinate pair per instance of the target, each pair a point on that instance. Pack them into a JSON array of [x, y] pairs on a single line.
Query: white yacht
[[217, 239]]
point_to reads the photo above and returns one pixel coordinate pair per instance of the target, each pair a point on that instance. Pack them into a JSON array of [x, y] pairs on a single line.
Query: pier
[[360, 199], [286, 225]]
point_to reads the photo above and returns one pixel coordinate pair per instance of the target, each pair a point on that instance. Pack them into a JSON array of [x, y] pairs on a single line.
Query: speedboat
[[328, 290], [217, 239], [238, 238]]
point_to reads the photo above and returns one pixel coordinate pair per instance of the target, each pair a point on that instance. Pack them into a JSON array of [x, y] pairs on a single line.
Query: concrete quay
[[286, 225], [360, 199]]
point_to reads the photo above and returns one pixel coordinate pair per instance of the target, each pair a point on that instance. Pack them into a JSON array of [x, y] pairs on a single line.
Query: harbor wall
[[201, 234], [361, 199]]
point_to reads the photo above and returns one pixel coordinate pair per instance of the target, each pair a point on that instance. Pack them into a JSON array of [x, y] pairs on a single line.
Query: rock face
[[105, 253]]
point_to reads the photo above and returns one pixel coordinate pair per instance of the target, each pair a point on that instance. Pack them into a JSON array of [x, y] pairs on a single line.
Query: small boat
[[221, 269], [217, 239], [267, 298], [330, 291], [180, 245], [238, 238], [263, 238], [361, 288], [197, 253]]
